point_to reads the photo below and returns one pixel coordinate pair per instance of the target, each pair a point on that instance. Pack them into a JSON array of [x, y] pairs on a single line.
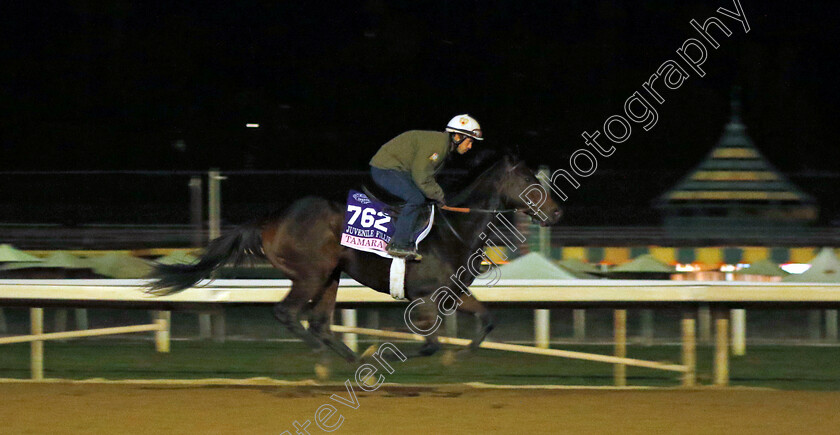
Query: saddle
[[374, 192], [368, 227], [395, 204], [368, 222]]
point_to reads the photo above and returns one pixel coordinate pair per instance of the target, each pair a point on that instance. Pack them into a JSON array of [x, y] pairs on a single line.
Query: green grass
[[785, 367]]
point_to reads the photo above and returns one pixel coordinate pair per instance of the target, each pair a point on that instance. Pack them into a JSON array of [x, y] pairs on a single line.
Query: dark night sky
[[111, 85]]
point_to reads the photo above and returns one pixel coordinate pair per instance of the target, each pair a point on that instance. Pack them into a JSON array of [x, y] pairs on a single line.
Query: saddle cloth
[[368, 226]]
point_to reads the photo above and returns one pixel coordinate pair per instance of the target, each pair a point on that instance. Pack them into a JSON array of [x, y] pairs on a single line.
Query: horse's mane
[[483, 166]]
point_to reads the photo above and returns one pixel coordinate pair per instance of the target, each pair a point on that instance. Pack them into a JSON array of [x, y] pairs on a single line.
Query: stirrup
[[398, 252], [410, 253]]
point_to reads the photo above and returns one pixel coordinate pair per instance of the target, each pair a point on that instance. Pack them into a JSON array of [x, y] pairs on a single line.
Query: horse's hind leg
[[469, 304], [288, 311], [321, 319]]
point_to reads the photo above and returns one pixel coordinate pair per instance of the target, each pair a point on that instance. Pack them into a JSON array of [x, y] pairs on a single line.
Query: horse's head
[[520, 189]]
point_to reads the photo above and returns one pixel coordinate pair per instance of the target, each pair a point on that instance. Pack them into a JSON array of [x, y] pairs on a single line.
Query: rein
[[477, 210], [468, 210]]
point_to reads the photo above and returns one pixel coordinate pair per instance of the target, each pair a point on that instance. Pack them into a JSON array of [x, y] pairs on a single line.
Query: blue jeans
[[401, 184]]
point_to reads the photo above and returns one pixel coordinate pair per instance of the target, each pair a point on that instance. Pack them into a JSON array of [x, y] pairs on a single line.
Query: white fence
[[720, 297]]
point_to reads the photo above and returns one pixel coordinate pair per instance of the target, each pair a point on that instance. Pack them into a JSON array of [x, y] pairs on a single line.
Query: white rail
[[547, 292], [720, 296]]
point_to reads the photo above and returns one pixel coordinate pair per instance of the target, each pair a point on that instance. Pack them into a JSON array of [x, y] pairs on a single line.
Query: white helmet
[[465, 124]]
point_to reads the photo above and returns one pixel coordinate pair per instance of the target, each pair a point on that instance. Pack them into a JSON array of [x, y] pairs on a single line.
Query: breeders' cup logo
[[361, 198]]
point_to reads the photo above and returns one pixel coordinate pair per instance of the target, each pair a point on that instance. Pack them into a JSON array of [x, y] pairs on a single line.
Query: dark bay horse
[[303, 242]]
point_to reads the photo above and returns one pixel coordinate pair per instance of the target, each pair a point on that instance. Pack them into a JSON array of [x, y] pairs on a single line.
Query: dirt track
[[155, 409]]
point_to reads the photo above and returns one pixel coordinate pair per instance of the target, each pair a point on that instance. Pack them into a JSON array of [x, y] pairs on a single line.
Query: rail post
[[204, 325], [704, 322], [348, 318], [218, 324], [196, 211], [541, 328], [372, 320], [721, 371], [579, 324], [831, 326], [36, 362], [163, 320], [620, 370], [3, 328], [814, 327], [542, 317], [739, 331], [451, 325], [689, 346], [647, 326], [60, 319], [214, 200], [80, 316]]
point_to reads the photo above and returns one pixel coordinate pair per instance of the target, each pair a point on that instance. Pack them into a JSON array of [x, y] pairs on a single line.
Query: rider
[[406, 167]]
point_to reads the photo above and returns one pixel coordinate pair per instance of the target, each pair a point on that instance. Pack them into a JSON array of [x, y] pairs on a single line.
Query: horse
[[303, 241]]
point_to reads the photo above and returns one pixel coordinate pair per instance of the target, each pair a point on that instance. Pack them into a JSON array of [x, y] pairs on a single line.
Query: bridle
[[531, 205], [466, 210]]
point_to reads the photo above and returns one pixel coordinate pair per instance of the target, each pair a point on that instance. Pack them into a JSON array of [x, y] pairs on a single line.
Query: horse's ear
[[512, 157], [481, 157], [511, 153]]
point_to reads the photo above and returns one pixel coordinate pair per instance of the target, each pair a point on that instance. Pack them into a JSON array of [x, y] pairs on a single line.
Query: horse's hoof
[[429, 349], [448, 358], [370, 381], [322, 371]]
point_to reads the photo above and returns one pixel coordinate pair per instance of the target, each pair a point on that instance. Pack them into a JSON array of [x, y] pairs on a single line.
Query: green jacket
[[421, 154]]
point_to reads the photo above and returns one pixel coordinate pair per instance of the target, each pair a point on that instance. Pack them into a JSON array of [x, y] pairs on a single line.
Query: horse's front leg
[[424, 317], [469, 304]]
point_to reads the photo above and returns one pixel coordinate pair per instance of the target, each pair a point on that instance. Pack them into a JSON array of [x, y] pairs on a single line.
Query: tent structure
[[825, 267], [254, 271], [178, 257], [580, 269], [120, 266], [56, 260], [9, 254], [58, 265], [763, 267], [735, 188], [534, 266], [643, 264], [575, 265], [642, 267]]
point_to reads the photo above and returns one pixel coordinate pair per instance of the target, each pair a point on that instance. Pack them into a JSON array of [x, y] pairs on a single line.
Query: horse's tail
[[240, 245]]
